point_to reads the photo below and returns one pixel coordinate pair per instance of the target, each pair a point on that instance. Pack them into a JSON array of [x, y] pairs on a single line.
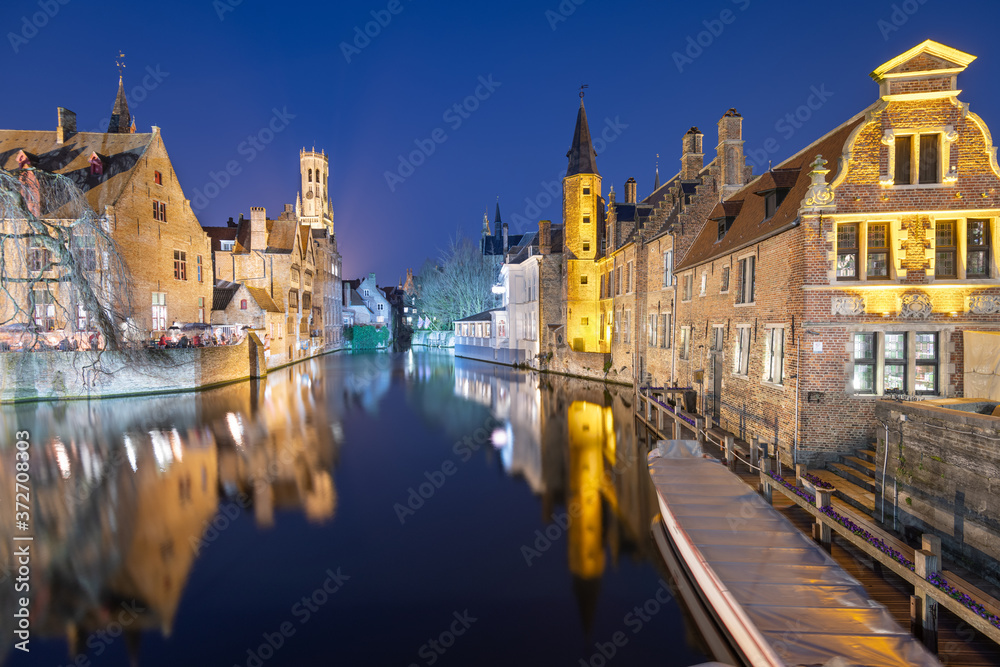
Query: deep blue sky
[[222, 80]]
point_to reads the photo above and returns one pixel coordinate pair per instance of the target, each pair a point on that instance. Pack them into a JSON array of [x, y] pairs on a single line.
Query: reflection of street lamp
[[499, 289]]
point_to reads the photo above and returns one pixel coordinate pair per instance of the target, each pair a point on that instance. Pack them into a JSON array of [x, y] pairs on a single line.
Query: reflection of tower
[[586, 472]]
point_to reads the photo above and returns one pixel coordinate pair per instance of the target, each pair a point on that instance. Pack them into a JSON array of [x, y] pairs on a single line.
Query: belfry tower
[[313, 205]]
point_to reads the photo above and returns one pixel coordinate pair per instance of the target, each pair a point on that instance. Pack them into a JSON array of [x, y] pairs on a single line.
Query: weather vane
[[120, 63], [582, 89]]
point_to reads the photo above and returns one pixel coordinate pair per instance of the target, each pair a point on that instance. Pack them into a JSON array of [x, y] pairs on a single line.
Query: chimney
[[258, 228], [730, 153], [630, 191], [545, 237], [692, 157], [67, 125]]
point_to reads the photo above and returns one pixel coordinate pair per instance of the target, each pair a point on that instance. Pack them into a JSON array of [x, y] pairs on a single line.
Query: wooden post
[[927, 563], [699, 430], [823, 532], [754, 453], [800, 474], [659, 421], [916, 623], [730, 452], [765, 479], [931, 543]]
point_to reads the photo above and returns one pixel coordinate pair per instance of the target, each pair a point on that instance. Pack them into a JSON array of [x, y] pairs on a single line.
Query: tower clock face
[[309, 195]]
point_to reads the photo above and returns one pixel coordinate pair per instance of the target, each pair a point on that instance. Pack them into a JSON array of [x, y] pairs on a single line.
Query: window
[[39, 258], [688, 281], [243, 304], [725, 280], [82, 318], [946, 249], [600, 333], [878, 250], [685, 351], [201, 309], [865, 360], [584, 321], [380, 306], [665, 335], [628, 277], [159, 311], [616, 332], [157, 178], [847, 251], [741, 358], [159, 211], [894, 379], [618, 280], [583, 280], [882, 363], [704, 283], [199, 268], [724, 225], [293, 300], [627, 334], [586, 246], [772, 200], [45, 309], [668, 268], [978, 245], [926, 375], [586, 219], [774, 368], [310, 176], [586, 191], [227, 246], [180, 265], [917, 159], [367, 293], [745, 288], [651, 331], [603, 283], [719, 337]]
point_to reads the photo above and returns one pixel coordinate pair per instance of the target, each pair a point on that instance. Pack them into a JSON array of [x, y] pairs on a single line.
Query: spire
[[486, 223], [121, 119], [496, 218], [582, 158], [656, 184]]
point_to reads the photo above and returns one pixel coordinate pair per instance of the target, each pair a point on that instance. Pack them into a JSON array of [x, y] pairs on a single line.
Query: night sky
[[213, 74]]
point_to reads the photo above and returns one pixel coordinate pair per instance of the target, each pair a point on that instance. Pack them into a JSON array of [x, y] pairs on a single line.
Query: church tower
[[583, 215], [314, 198]]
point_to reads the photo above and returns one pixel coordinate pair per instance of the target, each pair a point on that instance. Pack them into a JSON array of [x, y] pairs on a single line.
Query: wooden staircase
[[856, 478]]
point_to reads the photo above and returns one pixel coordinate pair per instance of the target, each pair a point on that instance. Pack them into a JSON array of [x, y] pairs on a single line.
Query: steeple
[[656, 184], [486, 223], [121, 119], [496, 218], [582, 158]]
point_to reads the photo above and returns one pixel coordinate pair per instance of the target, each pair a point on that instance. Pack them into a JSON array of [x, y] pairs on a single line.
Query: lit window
[[946, 250], [978, 244], [882, 364], [917, 159], [159, 311], [847, 251], [926, 375], [878, 250]]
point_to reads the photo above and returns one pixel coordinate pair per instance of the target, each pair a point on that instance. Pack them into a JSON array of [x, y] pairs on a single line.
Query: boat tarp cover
[[804, 605]]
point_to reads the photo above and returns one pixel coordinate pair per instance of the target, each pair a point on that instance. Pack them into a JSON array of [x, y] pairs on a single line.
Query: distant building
[[497, 243]]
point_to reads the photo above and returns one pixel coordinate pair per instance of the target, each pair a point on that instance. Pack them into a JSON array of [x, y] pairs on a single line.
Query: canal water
[[405, 509]]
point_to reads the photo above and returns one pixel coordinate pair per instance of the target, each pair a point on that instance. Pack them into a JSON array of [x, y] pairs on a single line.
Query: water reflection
[[129, 495], [127, 492]]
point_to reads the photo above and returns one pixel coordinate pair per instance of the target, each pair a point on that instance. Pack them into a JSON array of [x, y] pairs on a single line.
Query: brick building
[[129, 181], [848, 272]]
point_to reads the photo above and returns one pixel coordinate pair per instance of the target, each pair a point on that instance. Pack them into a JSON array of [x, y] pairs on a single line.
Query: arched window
[[310, 175]]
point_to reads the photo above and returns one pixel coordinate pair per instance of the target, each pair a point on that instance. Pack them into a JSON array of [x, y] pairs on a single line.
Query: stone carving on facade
[[820, 194], [984, 304], [916, 306], [847, 305]]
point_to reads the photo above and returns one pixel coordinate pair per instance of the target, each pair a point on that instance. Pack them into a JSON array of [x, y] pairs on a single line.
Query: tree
[[459, 284], [60, 268]]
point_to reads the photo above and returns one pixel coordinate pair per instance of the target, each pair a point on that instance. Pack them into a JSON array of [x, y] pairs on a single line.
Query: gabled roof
[[223, 293], [263, 299], [479, 317], [582, 157], [777, 179], [281, 236], [356, 299], [750, 224], [120, 154], [928, 56]]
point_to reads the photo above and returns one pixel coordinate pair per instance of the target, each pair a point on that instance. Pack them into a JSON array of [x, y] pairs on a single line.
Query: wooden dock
[[958, 640]]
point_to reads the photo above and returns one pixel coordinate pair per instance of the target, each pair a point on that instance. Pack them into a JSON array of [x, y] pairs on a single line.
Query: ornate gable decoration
[[819, 197], [920, 71], [916, 306], [984, 304], [847, 305]]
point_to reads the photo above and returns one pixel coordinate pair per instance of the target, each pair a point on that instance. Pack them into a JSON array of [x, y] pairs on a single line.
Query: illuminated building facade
[[848, 272]]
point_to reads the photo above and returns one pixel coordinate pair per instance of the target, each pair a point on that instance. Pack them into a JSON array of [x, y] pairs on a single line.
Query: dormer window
[[227, 246], [724, 225], [772, 200], [157, 178]]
